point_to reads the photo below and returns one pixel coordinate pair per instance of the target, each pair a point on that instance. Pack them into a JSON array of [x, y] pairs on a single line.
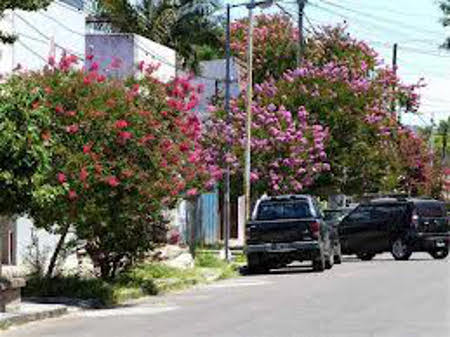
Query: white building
[[42, 33], [127, 50], [39, 34]]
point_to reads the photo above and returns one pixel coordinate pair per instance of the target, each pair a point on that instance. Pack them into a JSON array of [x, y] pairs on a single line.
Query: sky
[[412, 24]]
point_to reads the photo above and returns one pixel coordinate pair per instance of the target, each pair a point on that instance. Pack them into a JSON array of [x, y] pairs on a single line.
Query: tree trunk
[[56, 252]]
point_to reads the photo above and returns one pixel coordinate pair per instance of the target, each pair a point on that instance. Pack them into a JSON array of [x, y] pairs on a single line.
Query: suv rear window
[[431, 209], [273, 210]]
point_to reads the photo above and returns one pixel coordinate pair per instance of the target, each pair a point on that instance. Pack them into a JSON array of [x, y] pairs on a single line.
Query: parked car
[[332, 218], [399, 226], [287, 228]]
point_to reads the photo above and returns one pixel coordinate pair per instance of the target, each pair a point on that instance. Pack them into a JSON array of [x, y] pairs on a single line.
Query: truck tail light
[[415, 221], [314, 228]]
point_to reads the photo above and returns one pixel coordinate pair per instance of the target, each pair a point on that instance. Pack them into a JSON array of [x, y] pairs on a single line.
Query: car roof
[[287, 197]]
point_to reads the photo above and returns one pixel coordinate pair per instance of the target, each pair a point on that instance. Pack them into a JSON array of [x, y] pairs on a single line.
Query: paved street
[[382, 298]]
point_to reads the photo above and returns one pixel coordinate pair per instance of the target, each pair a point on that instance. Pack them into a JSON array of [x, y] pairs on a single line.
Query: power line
[[383, 19], [61, 24], [164, 61], [32, 51], [291, 15], [362, 23], [45, 36], [404, 13]]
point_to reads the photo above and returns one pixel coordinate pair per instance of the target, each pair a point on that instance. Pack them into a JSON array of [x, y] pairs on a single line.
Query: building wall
[[40, 34], [119, 55], [152, 52]]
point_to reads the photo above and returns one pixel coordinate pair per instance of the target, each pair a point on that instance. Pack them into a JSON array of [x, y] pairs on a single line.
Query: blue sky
[[413, 24]]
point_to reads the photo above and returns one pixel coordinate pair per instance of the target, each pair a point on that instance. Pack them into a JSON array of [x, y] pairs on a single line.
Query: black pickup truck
[[287, 228]]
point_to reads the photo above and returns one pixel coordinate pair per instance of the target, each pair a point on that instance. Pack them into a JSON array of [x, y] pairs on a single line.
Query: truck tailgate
[[279, 231]]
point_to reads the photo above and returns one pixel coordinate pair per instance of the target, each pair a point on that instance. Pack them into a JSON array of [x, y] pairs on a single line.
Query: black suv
[[287, 228], [399, 226]]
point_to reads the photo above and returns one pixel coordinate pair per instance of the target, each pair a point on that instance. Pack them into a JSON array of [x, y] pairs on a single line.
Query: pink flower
[[83, 174], [125, 135], [72, 195], [90, 57], [72, 128], [191, 192], [121, 123], [61, 177], [71, 113], [94, 66], [101, 78], [87, 148], [141, 66], [59, 109], [113, 181]]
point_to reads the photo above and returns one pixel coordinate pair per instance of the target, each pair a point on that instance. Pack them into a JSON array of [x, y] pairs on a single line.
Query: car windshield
[[273, 210], [431, 209]]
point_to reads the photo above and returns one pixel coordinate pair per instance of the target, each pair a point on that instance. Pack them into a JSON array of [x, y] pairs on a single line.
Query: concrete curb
[[22, 318]]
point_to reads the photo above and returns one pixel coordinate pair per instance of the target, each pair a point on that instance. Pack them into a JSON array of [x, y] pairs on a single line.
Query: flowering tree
[[287, 152], [274, 44], [108, 155], [342, 88]]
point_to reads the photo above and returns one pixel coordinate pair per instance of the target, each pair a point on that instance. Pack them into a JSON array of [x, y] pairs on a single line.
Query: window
[[431, 209], [273, 210], [360, 214]]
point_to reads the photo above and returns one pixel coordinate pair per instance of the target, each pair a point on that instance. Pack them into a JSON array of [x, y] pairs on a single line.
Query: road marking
[[134, 311]]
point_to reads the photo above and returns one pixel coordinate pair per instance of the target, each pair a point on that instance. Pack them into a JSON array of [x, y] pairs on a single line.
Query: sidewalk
[[29, 312]]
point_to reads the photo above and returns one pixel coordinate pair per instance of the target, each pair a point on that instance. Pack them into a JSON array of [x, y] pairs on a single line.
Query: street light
[[247, 185]]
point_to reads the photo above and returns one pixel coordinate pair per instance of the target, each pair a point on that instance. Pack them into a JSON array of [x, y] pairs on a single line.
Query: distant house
[[51, 32], [212, 76], [118, 55]]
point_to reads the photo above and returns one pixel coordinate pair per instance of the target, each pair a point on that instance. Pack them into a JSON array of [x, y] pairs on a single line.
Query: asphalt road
[[381, 298]]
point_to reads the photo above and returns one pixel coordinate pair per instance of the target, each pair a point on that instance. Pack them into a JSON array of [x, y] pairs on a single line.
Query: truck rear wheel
[[255, 264], [439, 254], [319, 263]]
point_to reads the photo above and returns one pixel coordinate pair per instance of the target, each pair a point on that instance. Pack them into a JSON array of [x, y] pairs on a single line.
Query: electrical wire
[[380, 19], [164, 61], [46, 37], [61, 24], [32, 51]]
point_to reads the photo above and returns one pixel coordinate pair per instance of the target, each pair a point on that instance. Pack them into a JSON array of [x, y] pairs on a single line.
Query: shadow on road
[[383, 259], [296, 269]]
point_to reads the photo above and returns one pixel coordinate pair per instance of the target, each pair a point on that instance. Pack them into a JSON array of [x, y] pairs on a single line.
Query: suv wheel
[[319, 263], [338, 255], [329, 263], [400, 250], [366, 256], [255, 264], [439, 254]]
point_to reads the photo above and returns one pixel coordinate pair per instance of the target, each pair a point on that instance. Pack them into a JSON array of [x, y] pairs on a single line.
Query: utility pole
[[301, 41], [227, 213], [247, 183], [394, 69], [394, 58]]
